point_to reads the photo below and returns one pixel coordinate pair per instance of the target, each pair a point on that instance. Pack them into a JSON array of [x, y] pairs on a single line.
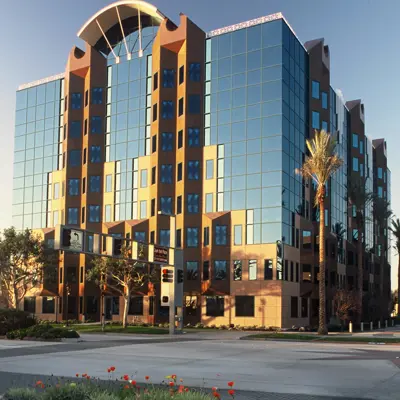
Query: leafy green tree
[[395, 228], [22, 258], [319, 166]]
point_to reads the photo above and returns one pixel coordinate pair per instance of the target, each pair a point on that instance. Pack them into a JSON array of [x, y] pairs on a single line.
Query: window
[[206, 271], [153, 207], [72, 216], [73, 187], [136, 305], [86, 98], [94, 184], [192, 237], [315, 89], [192, 270], [307, 240], [166, 205], [84, 156], [324, 100], [380, 173], [209, 169], [83, 215], [291, 271], [221, 235], [95, 154], [179, 172], [115, 305], [179, 238], [209, 202], [61, 275], [206, 236], [180, 139], [194, 137], [252, 270], [361, 146], [91, 305], [152, 235], [237, 234], [194, 72], [74, 158], [180, 107], [215, 306], [143, 209], [355, 140], [237, 270], [94, 213], [108, 183], [140, 237], [96, 125], [324, 126], [164, 237], [297, 272], [56, 194], [155, 112], [220, 270], [194, 104], [268, 270], [294, 307], [179, 205], [355, 164], [181, 74], [48, 305], [30, 304], [86, 126], [76, 101], [143, 178], [107, 213], [81, 274], [166, 141], [154, 144], [75, 129], [194, 170], [193, 203], [244, 306], [167, 109], [166, 173], [97, 95], [315, 120], [155, 81], [153, 175], [304, 307], [380, 191], [168, 78], [306, 273]]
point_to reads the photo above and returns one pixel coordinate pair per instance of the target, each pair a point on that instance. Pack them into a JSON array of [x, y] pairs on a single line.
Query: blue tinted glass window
[[109, 183], [107, 213], [209, 169], [253, 38], [324, 126], [272, 33], [164, 237], [193, 203], [380, 191], [315, 89], [355, 164], [355, 140], [315, 120], [220, 270], [168, 78], [94, 184], [194, 137], [94, 213], [97, 96], [140, 237], [238, 235], [166, 173], [143, 209], [74, 158], [209, 202], [166, 205], [193, 170], [72, 215], [167, 109], [76, 101], [221, 235], [192, 237], [143, 178], [239, 41], [95, 154], [167, 141], [324, 100], [73, 187], [380, 173], [75, 129], [96, 125], [194, 104], [361, 146], [194, 72]]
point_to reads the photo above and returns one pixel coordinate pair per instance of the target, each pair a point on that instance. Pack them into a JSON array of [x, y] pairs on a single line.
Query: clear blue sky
[[363, 36]]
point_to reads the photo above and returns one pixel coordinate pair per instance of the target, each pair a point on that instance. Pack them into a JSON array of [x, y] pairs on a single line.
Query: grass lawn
[[149, 330], [315, 338]]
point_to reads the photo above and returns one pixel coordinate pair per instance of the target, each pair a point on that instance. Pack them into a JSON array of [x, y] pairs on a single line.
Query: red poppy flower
[[180, 389], [231, 392], [231, 384], [112, 369], [186, 389], [42, 386], [126, 387], [108, 370], [173, 377], [214, 389], [133, 383], [147, 377], [87, 377], [38, 383], [172, 384], [77, 375], [217, 395], [84, 375], [126, 377]]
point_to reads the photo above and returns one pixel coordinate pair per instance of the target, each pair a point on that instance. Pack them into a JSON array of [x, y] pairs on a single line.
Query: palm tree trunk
[[322, 314], [360, 271], [398, 287]]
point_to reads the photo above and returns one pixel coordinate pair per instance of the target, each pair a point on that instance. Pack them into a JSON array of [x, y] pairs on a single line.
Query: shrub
[[11, 320], [70, 334], [43, 331], [78, 392], [199, 325], [21, 394]]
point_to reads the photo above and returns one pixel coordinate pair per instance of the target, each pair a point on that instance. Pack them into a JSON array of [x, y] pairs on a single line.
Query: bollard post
[[392, 322], [386, 324], [350, 327], [371, 326], [362, 326], [379, 324]]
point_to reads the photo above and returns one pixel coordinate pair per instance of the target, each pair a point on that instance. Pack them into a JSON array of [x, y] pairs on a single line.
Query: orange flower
[[147, 377], [231, 392], [172, 384], [84, 375], [231, 384], [133, 383], [173, 377], [217, 395], [180, 389], [126, 387], [38, 383], [126, 377], [112, 369]]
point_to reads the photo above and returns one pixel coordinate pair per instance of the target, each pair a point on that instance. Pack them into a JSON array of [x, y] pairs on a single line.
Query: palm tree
[[319, 166], [339, 230], [382, 213], [359, 199], [395, 228]]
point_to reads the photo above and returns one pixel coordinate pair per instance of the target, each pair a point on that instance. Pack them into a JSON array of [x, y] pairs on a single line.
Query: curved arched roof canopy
[[106, 24]]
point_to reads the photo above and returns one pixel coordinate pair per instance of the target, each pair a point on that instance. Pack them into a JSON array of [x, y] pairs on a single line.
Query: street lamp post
[[102, 307], [68, 291]]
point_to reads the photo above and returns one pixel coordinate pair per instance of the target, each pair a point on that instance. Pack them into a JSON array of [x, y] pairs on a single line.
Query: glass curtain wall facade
[[256, 112], [369, 188]]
